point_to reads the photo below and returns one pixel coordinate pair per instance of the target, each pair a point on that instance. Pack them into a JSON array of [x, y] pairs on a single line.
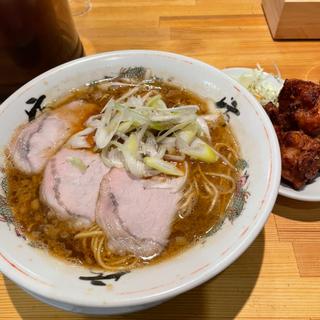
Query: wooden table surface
[[278, 277]]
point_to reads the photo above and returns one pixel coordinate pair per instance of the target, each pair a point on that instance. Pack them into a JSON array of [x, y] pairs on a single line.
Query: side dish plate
[[311, 191]]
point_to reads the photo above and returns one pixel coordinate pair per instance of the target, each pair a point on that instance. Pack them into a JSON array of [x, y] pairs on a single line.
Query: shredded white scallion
[[79, 140], [140, 133], [78, 163]]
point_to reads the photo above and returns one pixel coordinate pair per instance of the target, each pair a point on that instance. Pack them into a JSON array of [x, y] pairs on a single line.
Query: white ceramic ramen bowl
[[57, 282]]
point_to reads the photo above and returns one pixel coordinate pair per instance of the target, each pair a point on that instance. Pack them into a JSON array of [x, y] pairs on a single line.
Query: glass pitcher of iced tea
[[35, 35]]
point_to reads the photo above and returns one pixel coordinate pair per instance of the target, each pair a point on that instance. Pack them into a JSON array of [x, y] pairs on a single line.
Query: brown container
[[293, 19], [35, 35]]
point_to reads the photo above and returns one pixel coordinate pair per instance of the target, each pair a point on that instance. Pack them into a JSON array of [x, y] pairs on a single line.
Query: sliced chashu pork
[[135, 218], [38, 140], [71, 184]]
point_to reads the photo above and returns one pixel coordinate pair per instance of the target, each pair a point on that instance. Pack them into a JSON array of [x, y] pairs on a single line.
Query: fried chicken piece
[[309, 120], [300, 157], [298, 94], [299, 106], [272, 111], [297, 117], [281, 121]]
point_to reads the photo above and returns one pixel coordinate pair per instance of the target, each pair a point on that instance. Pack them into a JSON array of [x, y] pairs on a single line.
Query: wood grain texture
[[308, 258], [278, 277]]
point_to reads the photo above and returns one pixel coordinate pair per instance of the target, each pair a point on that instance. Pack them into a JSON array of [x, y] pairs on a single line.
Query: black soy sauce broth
[[45, 230]]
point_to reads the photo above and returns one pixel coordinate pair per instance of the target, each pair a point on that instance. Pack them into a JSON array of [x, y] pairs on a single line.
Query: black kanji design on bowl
[[97, 279], [232, 107], [36, 106]]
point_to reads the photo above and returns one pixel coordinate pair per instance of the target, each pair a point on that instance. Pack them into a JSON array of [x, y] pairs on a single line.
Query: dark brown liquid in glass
[[35, 35]]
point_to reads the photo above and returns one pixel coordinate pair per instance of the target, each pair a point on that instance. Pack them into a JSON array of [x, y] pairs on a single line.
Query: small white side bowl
[[56, 282], [310, 192]]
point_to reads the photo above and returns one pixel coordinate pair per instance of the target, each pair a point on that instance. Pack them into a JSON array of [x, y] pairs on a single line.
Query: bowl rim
[[37, 287]]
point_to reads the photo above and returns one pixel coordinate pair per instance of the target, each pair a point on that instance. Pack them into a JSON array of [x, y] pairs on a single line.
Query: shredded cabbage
[[259, 84]]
